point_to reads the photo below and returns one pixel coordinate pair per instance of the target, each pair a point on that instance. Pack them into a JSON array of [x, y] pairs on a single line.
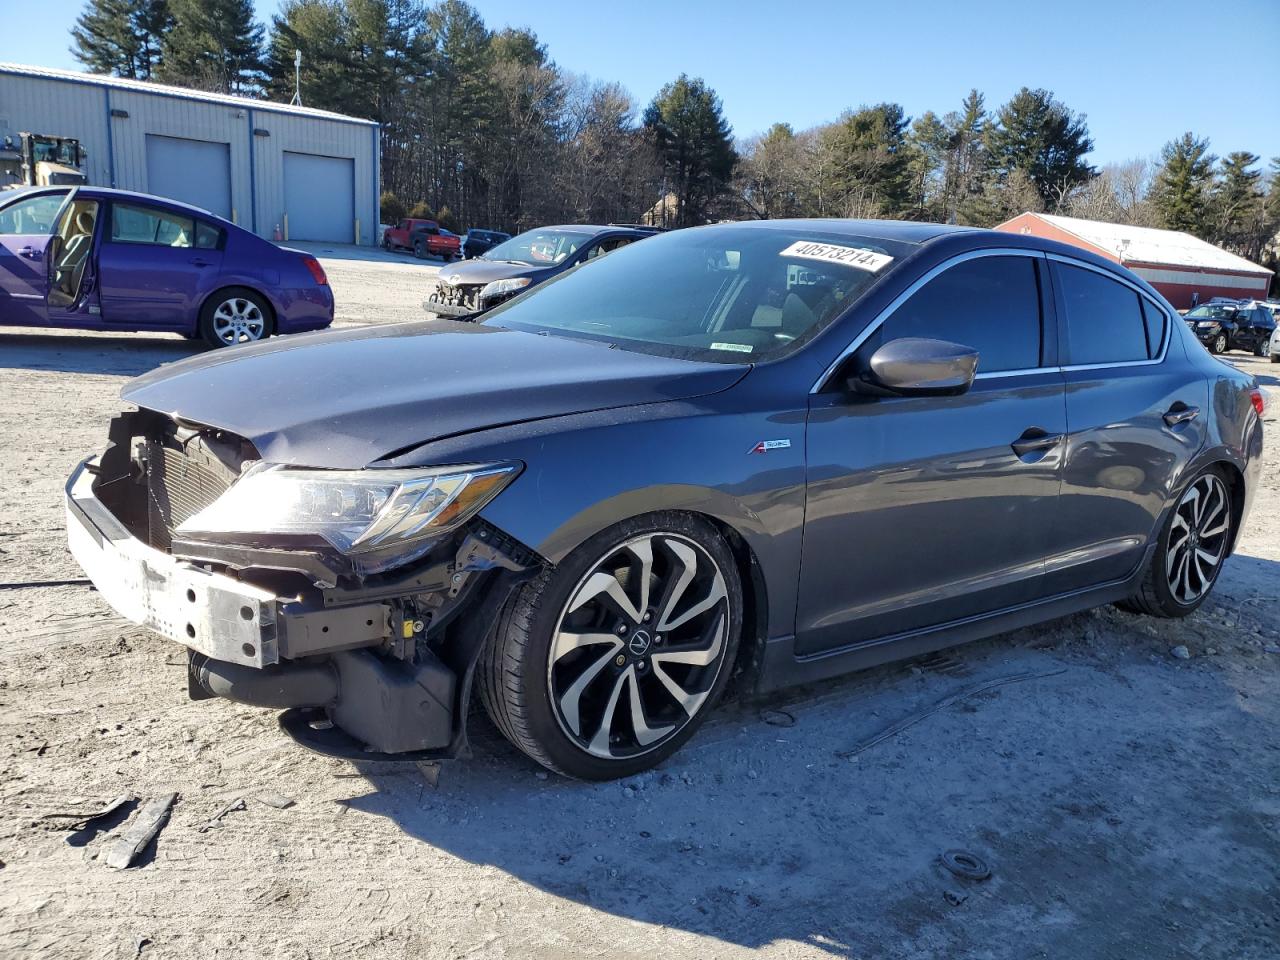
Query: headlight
[[1207, 325], [501, 288], [360, 512]]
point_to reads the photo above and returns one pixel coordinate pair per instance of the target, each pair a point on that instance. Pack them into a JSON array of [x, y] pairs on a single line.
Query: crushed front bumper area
[[348, 657], [462, 302]]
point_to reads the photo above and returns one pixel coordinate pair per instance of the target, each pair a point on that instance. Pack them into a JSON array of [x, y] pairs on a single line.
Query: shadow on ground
[[758, 833], [103, 354]]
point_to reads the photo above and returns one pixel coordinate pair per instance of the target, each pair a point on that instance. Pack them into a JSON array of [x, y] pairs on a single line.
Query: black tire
[[209, 319], [515, 673], [1155, 596], [420, 250]]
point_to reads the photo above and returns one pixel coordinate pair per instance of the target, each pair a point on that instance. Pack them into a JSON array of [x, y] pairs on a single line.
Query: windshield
[[1213, 311], [56, 150], [728, 293], [540, 248]]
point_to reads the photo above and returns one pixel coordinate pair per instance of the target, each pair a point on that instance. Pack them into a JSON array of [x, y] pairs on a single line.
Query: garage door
[[194, 171], [319, 197]]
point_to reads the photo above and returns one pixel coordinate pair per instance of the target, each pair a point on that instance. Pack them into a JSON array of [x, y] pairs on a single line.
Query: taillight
[[317, 271], [1259, 403]]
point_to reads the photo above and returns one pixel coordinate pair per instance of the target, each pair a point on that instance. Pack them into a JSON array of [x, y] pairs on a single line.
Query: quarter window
[[135, 224], [207, 237], [1156, 319], [1105, 319], [991, 304]]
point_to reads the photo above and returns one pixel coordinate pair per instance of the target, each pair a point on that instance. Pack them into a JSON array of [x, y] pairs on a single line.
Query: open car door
[[26, 225], [70, 274]]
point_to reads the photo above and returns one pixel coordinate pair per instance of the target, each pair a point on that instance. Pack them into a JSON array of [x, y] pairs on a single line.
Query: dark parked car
[[523, 261], [477, 242], [1245, 325], [775, 451], [97, 259]]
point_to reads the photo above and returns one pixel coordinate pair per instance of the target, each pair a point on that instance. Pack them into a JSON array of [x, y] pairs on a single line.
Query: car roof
[[904, 231], [112, 193], [594, 228]]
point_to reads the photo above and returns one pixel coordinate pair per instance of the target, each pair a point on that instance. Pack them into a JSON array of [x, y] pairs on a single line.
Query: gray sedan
[[770, 452]]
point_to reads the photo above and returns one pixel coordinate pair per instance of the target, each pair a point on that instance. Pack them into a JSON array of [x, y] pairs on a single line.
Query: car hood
[[344, 399], [486, 271]]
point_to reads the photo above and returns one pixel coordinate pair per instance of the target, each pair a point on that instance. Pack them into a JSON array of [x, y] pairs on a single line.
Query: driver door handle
[[1180, 413], [1033, 441], [28, 251]]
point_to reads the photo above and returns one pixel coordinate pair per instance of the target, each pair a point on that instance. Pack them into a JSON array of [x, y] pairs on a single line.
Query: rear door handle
[[200, 262], [1033, 441], [1180, 413]]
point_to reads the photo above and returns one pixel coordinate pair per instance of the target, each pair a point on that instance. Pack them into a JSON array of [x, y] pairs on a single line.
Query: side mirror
[[917, 367]]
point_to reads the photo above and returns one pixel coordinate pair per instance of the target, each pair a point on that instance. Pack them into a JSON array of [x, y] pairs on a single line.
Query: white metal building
[[312, 173]]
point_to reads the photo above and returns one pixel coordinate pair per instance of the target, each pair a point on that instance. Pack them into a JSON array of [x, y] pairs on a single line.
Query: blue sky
[[1143, 72]]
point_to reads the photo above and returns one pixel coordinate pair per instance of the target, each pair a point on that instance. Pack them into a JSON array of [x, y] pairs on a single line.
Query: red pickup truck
[[424, 238]]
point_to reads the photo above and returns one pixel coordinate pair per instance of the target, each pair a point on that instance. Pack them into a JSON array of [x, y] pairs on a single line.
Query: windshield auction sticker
[[846, 256]]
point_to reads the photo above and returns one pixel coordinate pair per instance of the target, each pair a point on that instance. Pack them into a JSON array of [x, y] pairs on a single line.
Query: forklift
[[41, 160]]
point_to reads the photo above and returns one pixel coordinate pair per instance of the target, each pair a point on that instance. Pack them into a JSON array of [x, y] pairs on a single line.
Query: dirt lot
[[1128, 805]]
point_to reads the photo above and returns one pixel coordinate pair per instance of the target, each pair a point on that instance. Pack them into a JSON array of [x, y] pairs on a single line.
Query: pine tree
[[1238, 208], [930, 141], [873, 161], [694, 144], [1040, 136], [213, 45], [121, 37], [967, 161], [1180, 191], [319, 30]]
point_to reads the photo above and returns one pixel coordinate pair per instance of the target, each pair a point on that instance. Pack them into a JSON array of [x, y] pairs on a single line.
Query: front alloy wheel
[[633, 637], [1220, 343], [629, 668]]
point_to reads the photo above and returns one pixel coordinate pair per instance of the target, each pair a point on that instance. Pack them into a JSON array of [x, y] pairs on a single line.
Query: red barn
[[1182, 267]]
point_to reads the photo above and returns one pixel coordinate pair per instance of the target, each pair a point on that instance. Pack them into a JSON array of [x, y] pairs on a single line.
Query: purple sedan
[[91, 258]]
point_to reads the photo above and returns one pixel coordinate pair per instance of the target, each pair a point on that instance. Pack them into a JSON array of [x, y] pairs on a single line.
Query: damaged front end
[[358, 601], [462, 301]]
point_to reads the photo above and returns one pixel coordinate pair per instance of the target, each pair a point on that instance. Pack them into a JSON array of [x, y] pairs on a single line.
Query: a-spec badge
[[764, 446]]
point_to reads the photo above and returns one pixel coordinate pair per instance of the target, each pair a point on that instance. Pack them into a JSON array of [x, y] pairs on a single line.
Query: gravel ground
[[1128, 804]]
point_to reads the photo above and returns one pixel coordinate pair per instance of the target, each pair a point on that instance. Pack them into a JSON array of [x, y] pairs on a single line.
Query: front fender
[[586, 472]]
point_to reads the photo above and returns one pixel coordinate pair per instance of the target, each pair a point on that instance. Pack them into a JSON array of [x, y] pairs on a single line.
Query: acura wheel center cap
[[639, 643]]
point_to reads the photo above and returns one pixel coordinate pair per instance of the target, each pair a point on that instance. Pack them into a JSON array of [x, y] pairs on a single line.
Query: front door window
[[32, 217]]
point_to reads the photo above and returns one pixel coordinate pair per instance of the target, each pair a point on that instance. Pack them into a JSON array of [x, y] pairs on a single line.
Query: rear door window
[[991, 304], [1105, 319], [132, 223]]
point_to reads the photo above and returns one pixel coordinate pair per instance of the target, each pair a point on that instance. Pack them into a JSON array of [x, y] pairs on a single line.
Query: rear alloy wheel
[[607, 665], [233, 317], [1197, 541], [1190, 552]]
